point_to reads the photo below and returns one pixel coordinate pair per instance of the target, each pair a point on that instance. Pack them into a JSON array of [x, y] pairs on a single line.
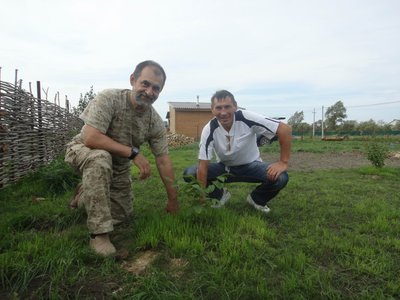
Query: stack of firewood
[[176, 140]]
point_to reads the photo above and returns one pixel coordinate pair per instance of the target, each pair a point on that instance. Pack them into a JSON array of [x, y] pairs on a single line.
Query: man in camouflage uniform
[[117, 122]]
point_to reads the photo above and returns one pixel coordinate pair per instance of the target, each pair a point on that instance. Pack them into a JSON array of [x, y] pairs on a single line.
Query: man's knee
[[282, 180], [190, 173], [99, 159]]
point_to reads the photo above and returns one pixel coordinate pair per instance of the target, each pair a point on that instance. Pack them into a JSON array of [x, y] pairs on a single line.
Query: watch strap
[[134, 153]]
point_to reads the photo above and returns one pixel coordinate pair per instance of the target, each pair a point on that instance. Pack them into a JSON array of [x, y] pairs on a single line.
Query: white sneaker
[[265, 209], [225, 197]]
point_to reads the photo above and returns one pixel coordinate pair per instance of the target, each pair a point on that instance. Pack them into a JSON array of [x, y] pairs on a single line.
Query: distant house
[[188, 118]]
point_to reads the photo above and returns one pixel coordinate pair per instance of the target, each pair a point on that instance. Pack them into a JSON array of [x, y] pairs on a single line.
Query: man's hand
[[202, 199], [164, 166], [276, 169], [172, 207], [144, 166], [284, 133]]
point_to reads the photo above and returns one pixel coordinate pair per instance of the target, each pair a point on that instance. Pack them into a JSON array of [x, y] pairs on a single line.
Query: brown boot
[[102, 245]]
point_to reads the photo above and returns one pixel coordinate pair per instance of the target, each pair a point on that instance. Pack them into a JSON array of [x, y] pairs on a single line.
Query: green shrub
[[377, 153]]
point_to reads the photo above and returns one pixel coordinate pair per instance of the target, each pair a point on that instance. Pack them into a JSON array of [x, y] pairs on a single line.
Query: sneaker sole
[[263, 209], [223, 201]]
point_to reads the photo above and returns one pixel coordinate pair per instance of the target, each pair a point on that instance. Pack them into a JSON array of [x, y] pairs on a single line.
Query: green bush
[[377, 153]]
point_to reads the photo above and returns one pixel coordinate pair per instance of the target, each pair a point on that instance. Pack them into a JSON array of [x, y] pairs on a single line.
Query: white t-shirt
[[239, 145]]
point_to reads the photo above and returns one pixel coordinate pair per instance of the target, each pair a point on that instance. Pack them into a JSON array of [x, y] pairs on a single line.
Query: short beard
[[144, 104]]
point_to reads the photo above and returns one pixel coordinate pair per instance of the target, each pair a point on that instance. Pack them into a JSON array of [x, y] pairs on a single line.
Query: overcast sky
[[276, 57]]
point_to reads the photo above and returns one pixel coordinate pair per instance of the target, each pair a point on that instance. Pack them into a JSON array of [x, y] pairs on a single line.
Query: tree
[[296, 120], [349, 126], [318, 125], [396, 125], [303, 128], [297, 124], [335, 115], [83, 102], [384, 127], [368, 127]]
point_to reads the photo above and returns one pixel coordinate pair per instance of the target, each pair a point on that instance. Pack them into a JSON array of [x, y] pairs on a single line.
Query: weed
[[377, 153]]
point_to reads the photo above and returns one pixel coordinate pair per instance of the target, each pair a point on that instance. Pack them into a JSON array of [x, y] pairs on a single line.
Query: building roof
[[191, 105]]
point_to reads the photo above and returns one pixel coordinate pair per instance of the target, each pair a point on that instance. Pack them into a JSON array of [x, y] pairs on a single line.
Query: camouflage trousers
[[106, 186]]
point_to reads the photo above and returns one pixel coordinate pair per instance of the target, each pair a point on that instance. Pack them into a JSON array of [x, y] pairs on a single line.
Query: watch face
[[134, 152]]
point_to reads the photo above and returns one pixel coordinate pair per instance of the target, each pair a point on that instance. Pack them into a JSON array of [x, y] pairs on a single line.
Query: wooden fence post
[[66, 103], [16, 78], [40, 123], [0, 85], [1, 146]]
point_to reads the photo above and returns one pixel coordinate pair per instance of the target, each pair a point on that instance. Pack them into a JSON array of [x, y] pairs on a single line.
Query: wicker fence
[[32, 132]]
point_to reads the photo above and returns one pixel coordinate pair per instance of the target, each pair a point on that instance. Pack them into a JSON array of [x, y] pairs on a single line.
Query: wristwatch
[[134, 152]]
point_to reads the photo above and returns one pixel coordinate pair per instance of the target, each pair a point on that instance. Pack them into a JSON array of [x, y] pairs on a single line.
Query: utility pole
[[322, 124], [313, 124]]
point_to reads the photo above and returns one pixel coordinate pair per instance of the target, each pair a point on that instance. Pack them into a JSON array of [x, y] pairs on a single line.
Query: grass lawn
[[330, 235]]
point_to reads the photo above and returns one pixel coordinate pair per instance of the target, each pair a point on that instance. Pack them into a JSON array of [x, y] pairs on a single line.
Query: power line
[[362, 105], [373, 104]]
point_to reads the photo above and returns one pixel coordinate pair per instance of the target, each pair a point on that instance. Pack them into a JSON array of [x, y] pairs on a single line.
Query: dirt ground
[[306, 161]]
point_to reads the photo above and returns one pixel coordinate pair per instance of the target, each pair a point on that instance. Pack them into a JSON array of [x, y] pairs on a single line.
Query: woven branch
[[33, 132]]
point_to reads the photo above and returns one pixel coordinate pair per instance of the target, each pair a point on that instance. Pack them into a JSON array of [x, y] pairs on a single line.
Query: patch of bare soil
[[307, 161], [177, 266], [141, 263]]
